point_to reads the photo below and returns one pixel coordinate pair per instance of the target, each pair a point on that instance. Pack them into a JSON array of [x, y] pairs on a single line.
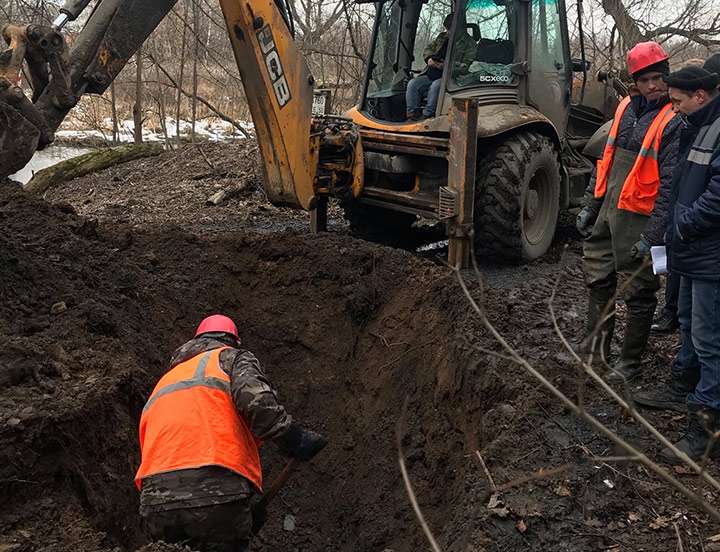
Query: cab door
[[550, 76]]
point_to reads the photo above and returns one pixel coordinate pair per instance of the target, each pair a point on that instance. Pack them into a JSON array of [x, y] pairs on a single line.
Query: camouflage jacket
[[464, 50], [255, 400]]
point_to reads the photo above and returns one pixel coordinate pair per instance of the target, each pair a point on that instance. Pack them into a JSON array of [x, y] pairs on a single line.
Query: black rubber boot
[[597, 303], [637, 332], [664, 397], [667, 323], [698, 440]]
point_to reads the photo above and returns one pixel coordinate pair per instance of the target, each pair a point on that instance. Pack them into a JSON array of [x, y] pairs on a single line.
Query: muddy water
[[46, 158]]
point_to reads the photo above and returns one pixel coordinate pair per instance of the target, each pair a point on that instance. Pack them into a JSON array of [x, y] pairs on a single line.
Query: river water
[[45, 158]]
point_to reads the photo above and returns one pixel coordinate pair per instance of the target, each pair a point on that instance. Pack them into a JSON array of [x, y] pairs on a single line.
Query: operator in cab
[[626, 212], [426, 86], [200, 432]]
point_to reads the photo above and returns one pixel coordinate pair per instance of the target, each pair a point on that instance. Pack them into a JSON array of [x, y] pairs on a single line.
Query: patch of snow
[[212, 129]]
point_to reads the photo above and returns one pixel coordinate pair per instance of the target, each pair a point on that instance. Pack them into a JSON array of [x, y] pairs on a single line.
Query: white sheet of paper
[[659, 259]]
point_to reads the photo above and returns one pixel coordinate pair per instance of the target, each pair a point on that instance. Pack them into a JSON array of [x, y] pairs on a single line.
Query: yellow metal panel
[[435, 124], [493, 119], [279, 90]]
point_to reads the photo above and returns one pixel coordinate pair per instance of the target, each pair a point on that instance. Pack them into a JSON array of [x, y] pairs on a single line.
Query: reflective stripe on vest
[[190, 421], [642, 183], [701, 152]]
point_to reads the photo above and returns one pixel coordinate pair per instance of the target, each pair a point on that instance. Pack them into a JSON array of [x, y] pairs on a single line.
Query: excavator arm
[[303, 156], [279, 89]]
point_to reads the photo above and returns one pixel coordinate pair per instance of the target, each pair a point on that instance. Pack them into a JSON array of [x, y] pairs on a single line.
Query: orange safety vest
[[190, 421], [642, 184]]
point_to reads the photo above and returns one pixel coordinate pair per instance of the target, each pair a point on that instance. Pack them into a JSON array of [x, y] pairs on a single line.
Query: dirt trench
[[347, 330]]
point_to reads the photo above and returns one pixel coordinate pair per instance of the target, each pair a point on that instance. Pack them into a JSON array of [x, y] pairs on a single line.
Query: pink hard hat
[[217, 323]]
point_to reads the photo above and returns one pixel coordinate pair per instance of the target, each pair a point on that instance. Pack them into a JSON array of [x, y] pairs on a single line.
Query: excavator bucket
[[18, 140], [18, 137]]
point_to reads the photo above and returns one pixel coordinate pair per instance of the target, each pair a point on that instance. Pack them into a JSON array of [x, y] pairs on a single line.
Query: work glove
[[585, 221], [259, 514], [300, 443], [640, 250]]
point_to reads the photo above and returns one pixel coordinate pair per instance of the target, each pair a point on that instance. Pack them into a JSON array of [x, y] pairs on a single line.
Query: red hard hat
[[645, 54], [217, 323]]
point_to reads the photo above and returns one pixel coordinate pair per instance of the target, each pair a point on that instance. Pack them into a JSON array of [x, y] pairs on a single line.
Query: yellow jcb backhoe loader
[[495, 164]]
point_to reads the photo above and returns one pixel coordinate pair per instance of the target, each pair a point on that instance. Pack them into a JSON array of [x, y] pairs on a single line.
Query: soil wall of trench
[[346, 330]]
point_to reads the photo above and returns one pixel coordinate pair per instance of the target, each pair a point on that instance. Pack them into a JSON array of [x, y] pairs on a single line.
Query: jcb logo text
[[274, 66]]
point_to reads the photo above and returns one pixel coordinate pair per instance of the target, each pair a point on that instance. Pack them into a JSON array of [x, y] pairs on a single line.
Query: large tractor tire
[[517, 198]]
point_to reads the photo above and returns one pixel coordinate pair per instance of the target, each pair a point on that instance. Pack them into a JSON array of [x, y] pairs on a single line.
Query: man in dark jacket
[[195, 414], [694, 253], [667, 322], [616, 219]]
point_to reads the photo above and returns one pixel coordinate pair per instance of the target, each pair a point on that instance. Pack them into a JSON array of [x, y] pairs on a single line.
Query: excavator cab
[[511, 59], [478, 49]]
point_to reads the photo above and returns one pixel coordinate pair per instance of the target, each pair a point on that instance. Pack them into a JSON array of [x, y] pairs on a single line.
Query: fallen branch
[[89, 163], [491, 481], [679, 538], [223, 195], [542, 473], [627, 404]]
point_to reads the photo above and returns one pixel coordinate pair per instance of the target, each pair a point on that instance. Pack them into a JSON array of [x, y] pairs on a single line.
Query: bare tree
[[696, 21], [196, 26], [138, 105], [113, 110], [183, 48]]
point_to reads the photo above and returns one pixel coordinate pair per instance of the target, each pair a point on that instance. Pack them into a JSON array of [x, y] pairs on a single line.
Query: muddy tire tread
[[500, 178]]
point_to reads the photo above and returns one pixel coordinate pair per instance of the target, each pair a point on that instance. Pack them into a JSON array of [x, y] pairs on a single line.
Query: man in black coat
[[693, 238], [667, 322]]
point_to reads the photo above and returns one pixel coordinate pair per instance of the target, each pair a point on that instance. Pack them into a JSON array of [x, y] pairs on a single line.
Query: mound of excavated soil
[[348, 331]]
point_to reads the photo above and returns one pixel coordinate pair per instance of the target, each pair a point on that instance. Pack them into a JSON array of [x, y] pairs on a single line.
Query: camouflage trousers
[[215, 528]]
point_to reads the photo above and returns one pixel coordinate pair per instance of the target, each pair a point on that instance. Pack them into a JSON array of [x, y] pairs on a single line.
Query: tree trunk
[[89, 163], [182, 73], [627, 27], [113, 109], [137, 106], [196, 25], [161, 108]]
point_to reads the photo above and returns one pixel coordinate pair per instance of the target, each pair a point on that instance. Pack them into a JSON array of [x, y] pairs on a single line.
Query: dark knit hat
[[693, 78], [662, 67], [712, 64]]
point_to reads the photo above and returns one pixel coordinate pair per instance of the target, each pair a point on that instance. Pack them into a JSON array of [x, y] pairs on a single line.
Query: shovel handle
[[278, 483]]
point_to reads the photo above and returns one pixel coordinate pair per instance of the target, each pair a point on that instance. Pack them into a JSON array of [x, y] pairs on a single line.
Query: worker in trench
[[200, 430], [630, 183]]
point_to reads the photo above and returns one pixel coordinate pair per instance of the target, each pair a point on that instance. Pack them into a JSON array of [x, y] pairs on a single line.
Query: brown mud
[[101, 282]]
